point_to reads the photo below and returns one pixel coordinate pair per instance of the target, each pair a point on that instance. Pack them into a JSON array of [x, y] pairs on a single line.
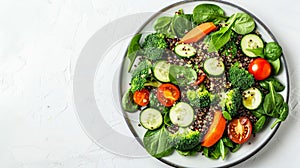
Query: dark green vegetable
[[157, 142], [182, 23], [236, 22], [167, 120], [276, 66], [258, 112], [208, 13], [243, 24], [199, 98], [216, 151], [240, 78], [259, 124], [133, 49], [162, 25], [283, 113], [272, 102], [257, 51], [190, 152], [222, 149], [182, 76], [185, 140], [278, 86], [141, 75], [128, 103], [233, 101], [154, 46], [272, 51]]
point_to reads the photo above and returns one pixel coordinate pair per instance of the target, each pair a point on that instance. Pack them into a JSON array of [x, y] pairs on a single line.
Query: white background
[[40, 41]]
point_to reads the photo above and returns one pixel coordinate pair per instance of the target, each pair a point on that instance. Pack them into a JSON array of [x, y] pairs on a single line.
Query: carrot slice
[[198, 32], [215, 131]]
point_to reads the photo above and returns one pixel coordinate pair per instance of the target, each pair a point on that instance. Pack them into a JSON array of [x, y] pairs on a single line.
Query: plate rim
[[266, 28]]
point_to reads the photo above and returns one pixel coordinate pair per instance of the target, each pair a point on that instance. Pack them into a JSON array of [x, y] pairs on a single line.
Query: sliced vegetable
[[141, 97], [215, 131], [252, 98], [260, 69], [250, 42], [168, 94], [239, 130], [151, 118], [200, 79], [161, 71], [198, 32], [185, 50], [182, 114], [214, 66]]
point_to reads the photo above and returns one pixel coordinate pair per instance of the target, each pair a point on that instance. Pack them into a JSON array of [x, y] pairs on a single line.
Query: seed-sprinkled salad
[[203, 82]]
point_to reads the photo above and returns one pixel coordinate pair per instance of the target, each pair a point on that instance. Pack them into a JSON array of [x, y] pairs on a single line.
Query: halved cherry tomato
[[260, 68], [200, 79], [141, 97], [239, 130], [215, 131], [168, 94]]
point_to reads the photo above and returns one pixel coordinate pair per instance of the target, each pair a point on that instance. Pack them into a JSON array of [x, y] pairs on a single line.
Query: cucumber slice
[[214, 66], [251, 41], [161, 71], [151, 118], [252, 98], [185, 50], [182, 114]]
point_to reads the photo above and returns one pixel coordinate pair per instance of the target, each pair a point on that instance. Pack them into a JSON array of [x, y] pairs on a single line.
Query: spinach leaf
[[219, 38], [272, 102], [182, 76], [272, 51], [257, 51], [283, 113], [157, 142], [243, 24], [208, 13], [127, 102], [278, 86], [259, 124], [222, 149], [276, 65], [162, 24], [133, 49], [182, 23], [167, 120]]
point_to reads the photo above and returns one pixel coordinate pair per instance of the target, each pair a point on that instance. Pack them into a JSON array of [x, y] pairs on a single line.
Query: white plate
[[98, 89], [247, 150]]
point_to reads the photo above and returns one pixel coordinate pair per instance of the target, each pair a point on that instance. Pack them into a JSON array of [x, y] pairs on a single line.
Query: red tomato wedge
[[239, 130], [168, 94], [141, 97], [198, 32], [215, 131]]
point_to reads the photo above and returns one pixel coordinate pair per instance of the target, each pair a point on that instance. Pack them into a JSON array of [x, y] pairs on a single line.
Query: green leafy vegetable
[[272, 101], [243, 24], [133, 49], [208, 13], [272, 51], [259, 124], [257, 51], [128, 103], [157, 143], [278, 86], [140, 75], [230, 49], [162, 25], [283, 113], [190, 152]]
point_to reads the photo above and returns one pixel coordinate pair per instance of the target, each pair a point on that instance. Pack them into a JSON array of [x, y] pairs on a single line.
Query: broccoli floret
[[154, 46], [142, 76], [200, 97], [185, 139], [232, 102], [240, 78]]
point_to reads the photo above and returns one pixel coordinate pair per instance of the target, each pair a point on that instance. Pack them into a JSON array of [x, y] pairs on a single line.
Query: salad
[[203, 83]]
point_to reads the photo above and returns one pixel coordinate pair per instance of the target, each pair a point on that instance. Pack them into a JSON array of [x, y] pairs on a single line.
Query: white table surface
[[40, 41]]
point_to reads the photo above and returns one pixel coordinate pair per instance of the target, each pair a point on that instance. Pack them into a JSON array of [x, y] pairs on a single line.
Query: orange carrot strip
[[198, 32]]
